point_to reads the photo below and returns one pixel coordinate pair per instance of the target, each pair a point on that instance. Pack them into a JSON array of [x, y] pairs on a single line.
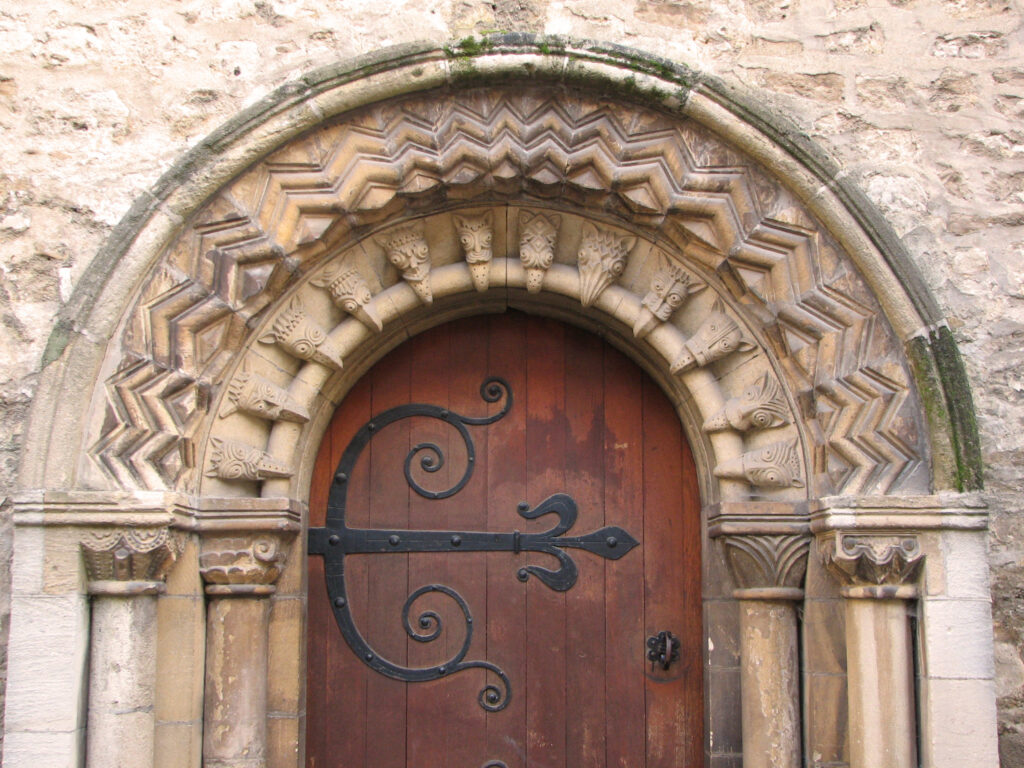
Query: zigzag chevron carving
[[658, 173]]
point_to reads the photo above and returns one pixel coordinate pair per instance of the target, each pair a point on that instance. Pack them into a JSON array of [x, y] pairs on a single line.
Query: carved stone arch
[[190, 379]]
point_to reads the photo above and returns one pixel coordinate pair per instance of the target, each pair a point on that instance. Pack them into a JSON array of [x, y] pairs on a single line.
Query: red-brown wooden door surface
[[584, 421]]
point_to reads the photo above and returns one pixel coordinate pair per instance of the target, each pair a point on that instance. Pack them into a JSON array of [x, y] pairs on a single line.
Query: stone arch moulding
[[189, 381]]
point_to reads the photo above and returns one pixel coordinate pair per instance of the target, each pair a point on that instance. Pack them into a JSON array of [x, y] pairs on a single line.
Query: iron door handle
[[663, 649]]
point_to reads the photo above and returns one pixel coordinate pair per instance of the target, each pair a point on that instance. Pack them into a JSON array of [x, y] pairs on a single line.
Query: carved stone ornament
[[873, 559], [130, 554], [475, 236], [768, 561], [262, 398], [236, 565], [774, 466], [232, 460], [718, 336], [302, 337], [406, 248], [350, 293], [761, 406], [537, 236], [601, 259], [670, 287]]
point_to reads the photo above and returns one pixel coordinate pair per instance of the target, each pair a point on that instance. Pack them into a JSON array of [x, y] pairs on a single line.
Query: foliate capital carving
[[129, 560], [302, 336], [233, 460], [601, 259], [407, 249], [873, 564], [718, 336], [773, 466], [537, 236], [760, 406], [670, 287], [242, 565], [262, 398], [476, 234], [350, 293], [768, 566]]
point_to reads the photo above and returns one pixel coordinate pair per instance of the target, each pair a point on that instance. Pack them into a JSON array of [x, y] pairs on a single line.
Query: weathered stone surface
[[97, 100]]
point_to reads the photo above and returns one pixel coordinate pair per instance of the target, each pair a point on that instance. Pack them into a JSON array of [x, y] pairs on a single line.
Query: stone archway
[[811, 374]]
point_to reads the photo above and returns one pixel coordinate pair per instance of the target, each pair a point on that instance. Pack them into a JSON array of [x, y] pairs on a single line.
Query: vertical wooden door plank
[[625, 663], [387, 575], [506, 487], [467, 734], [665, 577], [585, 602], [429, 705], [545, 475]]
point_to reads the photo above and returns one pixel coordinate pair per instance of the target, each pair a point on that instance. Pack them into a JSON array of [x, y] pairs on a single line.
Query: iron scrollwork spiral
[[336, 539]]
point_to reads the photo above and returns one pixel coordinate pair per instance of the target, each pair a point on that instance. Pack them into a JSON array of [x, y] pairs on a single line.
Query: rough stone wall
[[921, 100]]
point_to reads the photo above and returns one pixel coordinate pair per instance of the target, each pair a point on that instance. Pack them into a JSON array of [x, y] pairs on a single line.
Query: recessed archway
[[189, 387]]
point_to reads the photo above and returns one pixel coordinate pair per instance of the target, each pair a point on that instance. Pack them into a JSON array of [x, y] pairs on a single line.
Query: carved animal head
[[537, 235], [760, 406], [475, 236], [601, 259], [407, 249], [669, 288], [718, 336]]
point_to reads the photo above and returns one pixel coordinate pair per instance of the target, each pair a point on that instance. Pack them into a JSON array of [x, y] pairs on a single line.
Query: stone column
[[126, 570], [769, 571], [878, 571], [239, 572]]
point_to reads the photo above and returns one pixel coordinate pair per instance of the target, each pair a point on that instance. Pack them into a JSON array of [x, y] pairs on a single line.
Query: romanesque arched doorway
[[562, 650], [189, 387]]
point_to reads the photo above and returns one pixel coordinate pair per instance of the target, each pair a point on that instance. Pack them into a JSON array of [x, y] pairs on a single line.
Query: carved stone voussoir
[[241, 565], [537, 236], [718, 336], [773, 466], [884, 564], [351, 293], [774, 565], [476, 234], [760, 406], [232, 460], [407, 249], [302, 336], [260, 397], [670, 286], [140, 555], [601, 259]]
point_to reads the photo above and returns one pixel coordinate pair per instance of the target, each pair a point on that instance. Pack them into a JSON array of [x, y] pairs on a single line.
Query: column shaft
[[122, 678], [235, 720], [770, 680], [880, 680]]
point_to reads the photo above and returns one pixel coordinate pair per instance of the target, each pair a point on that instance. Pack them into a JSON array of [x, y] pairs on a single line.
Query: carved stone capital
[[768, 567], [240, 565], [129, 561], [537, 236], [881, 565]]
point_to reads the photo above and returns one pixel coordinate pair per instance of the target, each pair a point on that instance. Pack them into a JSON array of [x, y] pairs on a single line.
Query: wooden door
[[565, 670]]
